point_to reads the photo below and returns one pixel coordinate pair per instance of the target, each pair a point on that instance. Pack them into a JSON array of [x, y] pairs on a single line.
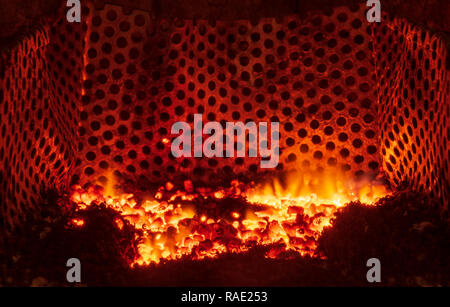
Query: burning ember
[[285, 215]]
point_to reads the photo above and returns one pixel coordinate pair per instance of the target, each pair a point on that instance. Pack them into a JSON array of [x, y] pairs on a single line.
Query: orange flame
[[77, 222], [289, 212]]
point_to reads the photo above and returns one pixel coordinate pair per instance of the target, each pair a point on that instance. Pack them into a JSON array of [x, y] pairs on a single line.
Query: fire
[[77, 222], [286, 214]]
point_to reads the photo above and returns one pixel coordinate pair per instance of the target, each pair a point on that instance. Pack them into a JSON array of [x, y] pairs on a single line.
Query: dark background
[[17, 16]]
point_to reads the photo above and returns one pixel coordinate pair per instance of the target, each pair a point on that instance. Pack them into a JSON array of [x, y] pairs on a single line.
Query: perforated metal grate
[[314, 76], [414, 107], [84, 103]]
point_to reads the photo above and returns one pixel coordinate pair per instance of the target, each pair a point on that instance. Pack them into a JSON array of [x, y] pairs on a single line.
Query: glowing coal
[[285, 214]]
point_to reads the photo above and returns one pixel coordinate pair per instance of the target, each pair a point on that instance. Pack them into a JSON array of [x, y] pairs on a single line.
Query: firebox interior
[[93, 102]]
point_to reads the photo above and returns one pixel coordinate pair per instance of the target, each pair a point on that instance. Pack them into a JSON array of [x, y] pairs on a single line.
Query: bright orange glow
[[290, 212], [77, 222]]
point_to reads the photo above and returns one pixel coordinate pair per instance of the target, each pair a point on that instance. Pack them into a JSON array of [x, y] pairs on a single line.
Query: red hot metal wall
[[39, 97], [315, 76], [414, 98], [96, 101]]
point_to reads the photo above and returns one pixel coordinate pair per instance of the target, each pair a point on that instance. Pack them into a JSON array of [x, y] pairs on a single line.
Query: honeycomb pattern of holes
[[99, 129], [199, 70], [406, 136], [43, 125]]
